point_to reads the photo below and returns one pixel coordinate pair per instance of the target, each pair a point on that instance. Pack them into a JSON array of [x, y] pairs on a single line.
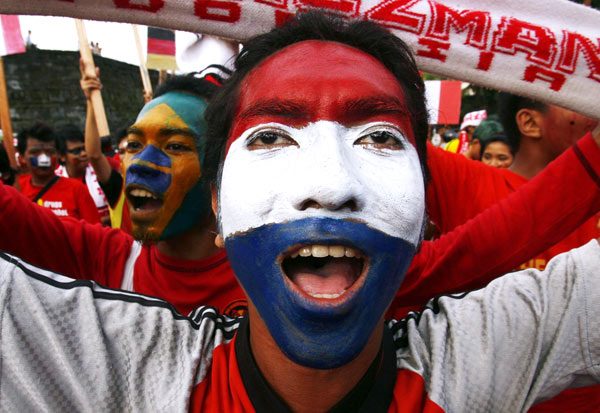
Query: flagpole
[[5, 120], [96, 96], [143, 70]]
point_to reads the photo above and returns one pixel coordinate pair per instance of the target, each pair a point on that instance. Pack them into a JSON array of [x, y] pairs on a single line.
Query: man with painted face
[[64, 196], [172, 254], [320, 256]]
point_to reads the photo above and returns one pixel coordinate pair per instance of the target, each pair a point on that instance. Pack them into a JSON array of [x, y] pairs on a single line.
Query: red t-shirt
[[66, 198], [112, 258], [462, 188]]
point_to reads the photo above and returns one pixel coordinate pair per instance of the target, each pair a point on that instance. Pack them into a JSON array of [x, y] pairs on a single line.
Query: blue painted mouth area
[[311, 332], [144, 174]]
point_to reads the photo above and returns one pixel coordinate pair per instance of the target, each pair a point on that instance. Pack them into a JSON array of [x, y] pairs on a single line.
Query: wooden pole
[[162, 76], [5, 120], [90, 70], [143, 70]]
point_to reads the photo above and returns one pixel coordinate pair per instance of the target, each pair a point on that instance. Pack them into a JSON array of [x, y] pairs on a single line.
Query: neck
[[42, 180], [531, 158], [302, 388], [195, 244]]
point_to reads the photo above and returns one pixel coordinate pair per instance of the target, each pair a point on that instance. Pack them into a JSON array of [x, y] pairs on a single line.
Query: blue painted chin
[[310, 332]]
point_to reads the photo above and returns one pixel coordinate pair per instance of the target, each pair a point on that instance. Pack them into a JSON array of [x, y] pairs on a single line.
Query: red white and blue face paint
[[321, 200], [165, 151]]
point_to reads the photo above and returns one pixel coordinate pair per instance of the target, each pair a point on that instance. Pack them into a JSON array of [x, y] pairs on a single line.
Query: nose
[[328, 181], [143, 171]]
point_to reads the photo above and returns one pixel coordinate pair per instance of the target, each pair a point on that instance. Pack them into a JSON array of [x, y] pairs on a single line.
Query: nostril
[[350, 204], [310, 204]]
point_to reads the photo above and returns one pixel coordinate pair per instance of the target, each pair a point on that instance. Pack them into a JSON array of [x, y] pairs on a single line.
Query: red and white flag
[[11, 41], [443, 101]]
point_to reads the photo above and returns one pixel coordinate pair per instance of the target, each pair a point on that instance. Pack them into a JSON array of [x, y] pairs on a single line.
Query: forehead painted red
[[320, 80]]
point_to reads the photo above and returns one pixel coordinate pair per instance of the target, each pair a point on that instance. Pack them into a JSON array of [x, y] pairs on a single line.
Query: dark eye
[[270, 139], [380, 139], [177, 147], [133, 146]]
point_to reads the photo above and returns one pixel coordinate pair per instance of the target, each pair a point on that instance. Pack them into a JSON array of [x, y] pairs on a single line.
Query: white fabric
[[72, 345], [538, 59]]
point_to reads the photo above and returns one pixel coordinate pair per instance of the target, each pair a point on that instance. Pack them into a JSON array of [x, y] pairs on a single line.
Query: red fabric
[[499, 238], [115, 162], [80, 250], [223, 390], [67, 197], [189, 283], [161, 47], [461, 188], [453, 197]]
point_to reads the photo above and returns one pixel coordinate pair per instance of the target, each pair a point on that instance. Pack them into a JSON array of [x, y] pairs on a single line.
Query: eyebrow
[[163, 132], [287, 109], [375, 105]]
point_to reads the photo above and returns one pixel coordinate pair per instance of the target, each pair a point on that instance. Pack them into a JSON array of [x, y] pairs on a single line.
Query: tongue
[[332, 277], [150, 204]]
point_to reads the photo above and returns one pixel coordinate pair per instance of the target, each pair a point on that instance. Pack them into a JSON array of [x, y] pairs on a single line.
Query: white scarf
[[545, 49]]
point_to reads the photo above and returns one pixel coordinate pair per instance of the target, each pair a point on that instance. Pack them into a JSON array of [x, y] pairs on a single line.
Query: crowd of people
[[257, 243]]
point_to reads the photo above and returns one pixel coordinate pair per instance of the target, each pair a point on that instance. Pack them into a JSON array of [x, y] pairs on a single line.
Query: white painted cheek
[[393, 190], [251, 184]]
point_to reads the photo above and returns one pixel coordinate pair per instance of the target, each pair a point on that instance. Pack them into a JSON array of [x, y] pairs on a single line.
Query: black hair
[[363, 35], [39, 131], [70, 133], [508, 106], [205, 83], [497, 137]]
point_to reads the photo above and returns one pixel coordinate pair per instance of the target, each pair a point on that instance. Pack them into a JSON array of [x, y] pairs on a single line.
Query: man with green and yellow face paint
[[172, 254], [162, 168]]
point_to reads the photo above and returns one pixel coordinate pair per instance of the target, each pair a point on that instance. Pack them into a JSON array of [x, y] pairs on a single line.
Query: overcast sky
[[116, 40]]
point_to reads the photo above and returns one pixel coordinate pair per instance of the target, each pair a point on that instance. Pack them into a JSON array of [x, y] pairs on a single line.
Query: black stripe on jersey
[[130, 297], [398, 327]]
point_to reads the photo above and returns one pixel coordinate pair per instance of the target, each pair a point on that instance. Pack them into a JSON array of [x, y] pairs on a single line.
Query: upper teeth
[[142, 193], [320, 251]]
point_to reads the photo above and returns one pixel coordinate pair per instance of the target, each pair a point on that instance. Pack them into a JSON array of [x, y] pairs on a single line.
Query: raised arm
[[541, 213], [65, 245], [92, 138]]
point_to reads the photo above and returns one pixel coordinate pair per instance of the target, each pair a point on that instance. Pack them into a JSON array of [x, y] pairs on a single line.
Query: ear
[[529, 122], [214, 194]]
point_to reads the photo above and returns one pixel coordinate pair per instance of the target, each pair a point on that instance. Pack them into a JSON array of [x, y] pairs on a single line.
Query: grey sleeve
[[522, 339], [71, 345]]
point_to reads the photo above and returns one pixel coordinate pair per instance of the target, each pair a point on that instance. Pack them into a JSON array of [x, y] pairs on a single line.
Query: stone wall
[[44, 85]]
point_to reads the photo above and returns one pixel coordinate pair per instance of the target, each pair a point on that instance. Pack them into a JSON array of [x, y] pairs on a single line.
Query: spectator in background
[[470, 122], [74, 164], [496, 151], [64, 196]]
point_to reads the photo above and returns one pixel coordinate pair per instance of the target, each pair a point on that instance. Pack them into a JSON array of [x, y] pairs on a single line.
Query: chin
[[321, 285]]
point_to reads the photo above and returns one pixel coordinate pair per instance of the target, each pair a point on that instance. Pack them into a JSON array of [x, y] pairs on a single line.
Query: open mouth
[[142, 199], [324, 271]]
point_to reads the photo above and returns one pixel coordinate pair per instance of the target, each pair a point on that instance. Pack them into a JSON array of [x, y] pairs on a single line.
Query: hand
[[147, 96], [87, 82]]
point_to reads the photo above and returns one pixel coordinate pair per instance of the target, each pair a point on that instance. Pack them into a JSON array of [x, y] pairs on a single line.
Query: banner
[[161, 49], [443, 101], [545, 49], [12, 41]]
